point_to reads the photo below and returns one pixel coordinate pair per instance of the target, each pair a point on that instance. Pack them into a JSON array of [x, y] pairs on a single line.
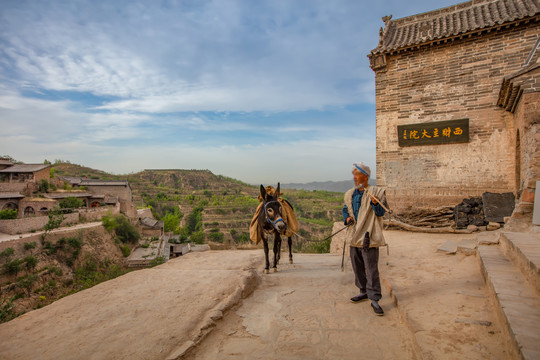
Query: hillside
[[227, 204]]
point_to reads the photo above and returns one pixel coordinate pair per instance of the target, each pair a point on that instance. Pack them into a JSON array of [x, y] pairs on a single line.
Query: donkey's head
[[272, 209]]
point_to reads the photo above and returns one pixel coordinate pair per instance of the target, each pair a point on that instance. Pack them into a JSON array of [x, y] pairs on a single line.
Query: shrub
[[27, 281], [43, 186], [55, 270], [8, 214], [216, 236], [7, 253], [125, 250], [197, 237], [157, 261], [30, 245], [75, 243], [121, 227], [12, 267], [7, 310], [31, 262], [71, 203]]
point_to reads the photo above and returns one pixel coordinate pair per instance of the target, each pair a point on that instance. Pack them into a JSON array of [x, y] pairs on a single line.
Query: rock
[[482, 228], [464, 208], [199, 248], [461, 220], [497, 206], [488, 238], [467, 246], [493, 226], [449, 247], [472, 228], [477, 219]]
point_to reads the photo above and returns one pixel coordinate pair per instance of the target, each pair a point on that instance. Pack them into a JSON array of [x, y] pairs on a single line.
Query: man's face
[[359, 178]]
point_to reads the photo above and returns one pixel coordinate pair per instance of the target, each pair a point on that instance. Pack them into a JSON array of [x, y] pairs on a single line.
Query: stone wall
[[25, 225], [459, 79], [36, 223], [95, 214], [527, 119]]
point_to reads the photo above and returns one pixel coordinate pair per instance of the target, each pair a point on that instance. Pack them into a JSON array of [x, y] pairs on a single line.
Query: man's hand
[[349, 220]]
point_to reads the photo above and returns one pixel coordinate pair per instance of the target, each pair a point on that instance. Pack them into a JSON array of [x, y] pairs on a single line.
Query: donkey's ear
[[263, 193], [276, 195]]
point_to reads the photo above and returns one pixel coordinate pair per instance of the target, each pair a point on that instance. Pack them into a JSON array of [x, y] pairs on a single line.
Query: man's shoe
[[359, 298], [378, 310]]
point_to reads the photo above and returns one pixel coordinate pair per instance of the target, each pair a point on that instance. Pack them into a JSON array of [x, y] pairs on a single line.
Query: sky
[[258, 90]]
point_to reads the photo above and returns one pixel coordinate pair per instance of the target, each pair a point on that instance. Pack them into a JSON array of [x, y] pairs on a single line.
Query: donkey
[[270, 221]]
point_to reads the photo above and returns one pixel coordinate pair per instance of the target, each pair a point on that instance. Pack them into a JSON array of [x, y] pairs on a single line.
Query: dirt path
[[304, 312], [442, 297]]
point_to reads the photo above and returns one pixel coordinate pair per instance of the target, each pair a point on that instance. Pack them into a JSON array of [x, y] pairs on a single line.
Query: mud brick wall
[[454, 80]]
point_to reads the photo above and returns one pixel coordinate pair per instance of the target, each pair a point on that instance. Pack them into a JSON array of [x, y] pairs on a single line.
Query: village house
[[458, 103], [110, 190], [23, 178]]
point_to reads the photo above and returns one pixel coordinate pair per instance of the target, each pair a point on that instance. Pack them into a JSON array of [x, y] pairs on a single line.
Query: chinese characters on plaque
[[434, 133]]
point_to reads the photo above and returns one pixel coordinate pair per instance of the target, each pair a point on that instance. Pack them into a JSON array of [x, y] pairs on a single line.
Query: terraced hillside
[[226, 205]]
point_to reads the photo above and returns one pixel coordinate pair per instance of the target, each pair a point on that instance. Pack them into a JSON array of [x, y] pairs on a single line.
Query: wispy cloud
[[220, 83]]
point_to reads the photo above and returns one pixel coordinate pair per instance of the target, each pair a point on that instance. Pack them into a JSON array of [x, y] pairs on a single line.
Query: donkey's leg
[[277, 242], [289, 240], [265, 243], [278, 250]]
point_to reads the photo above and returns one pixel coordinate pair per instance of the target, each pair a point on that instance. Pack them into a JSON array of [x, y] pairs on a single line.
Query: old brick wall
[[460, 79]]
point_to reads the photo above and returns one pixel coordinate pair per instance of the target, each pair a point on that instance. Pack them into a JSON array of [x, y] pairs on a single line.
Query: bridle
[[266, 214]]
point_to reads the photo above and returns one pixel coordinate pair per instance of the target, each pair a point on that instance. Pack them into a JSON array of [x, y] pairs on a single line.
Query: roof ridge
[[446, 10], [452, 21]]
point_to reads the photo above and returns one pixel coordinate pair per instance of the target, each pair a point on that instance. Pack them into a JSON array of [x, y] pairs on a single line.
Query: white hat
[[364, 169]]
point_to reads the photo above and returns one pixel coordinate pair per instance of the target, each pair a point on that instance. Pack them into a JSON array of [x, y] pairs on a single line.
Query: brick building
[[22, 177], [458, 103]]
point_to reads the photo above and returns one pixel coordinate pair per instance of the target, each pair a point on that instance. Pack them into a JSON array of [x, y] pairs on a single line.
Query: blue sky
[[262, 91]]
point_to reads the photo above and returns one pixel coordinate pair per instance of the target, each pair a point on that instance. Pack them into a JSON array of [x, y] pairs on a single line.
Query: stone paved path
[[303, 312]]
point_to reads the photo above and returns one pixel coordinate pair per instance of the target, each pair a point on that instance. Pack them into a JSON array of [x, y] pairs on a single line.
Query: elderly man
[[365, 235]]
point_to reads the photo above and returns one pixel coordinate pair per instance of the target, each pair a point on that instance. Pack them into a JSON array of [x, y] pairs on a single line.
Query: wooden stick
[[377, 200]]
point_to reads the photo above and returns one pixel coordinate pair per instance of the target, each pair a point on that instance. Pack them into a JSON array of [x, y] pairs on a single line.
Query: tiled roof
[[24, 168], [11, 196], [5, 162], [151, 223], [94, 182], [64, 195], [449, 22]]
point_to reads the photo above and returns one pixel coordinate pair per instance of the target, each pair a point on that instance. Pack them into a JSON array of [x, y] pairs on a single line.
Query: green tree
[[55, 220], [71, 202], [171, 222], [120, 225]]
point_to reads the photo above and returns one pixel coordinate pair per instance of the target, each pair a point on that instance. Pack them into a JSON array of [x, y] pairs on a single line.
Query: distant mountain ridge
[[335, 186]]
